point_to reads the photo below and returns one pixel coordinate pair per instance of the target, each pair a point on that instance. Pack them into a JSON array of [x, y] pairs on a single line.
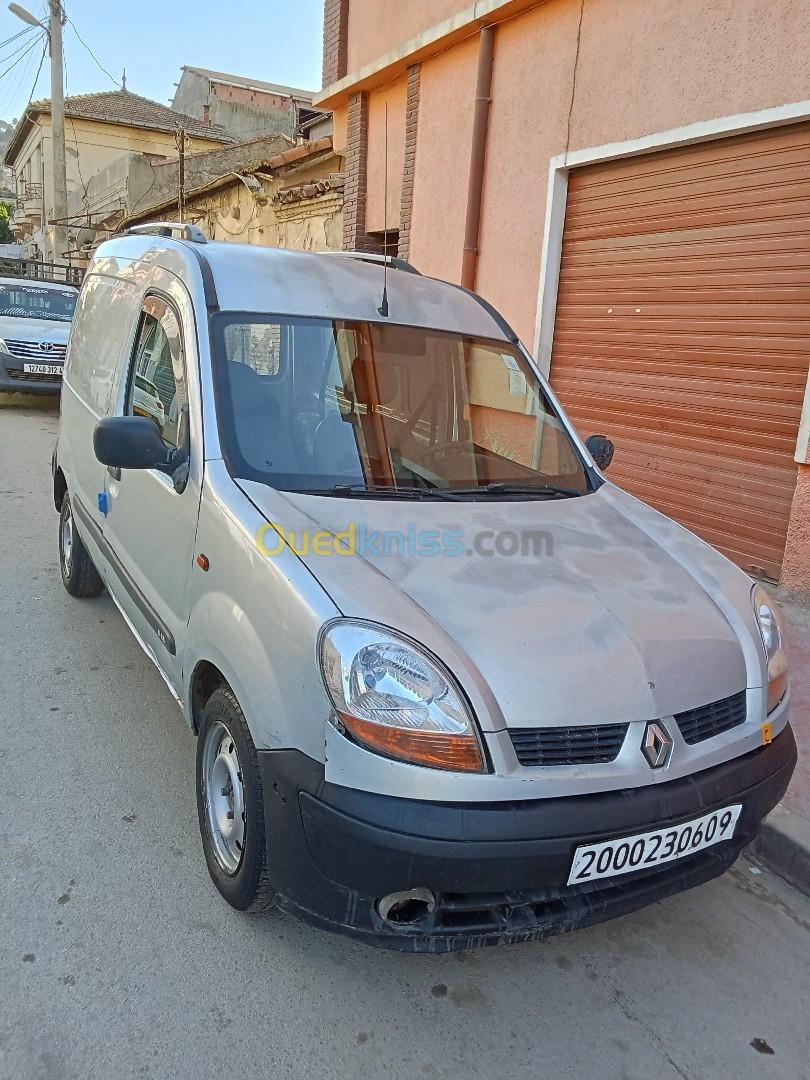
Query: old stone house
[[293, 199]]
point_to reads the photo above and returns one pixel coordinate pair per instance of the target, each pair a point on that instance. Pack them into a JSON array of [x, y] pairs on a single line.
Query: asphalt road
[[119, 960]]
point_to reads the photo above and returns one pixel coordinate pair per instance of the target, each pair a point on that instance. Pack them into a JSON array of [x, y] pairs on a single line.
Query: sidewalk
[[784, 842]]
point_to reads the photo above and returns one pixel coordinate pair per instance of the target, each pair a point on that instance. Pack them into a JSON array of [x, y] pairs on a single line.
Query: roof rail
[[175, 229], [367, 256]]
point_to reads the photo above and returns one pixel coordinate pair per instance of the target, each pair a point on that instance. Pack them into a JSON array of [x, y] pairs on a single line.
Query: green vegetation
[[6, 236]]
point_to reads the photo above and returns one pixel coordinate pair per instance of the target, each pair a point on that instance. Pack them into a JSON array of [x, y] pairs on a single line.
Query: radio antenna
[[383, 308]]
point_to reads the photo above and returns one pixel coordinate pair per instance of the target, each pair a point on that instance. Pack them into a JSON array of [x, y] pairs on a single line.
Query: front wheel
[[79, 576], [230, 805]]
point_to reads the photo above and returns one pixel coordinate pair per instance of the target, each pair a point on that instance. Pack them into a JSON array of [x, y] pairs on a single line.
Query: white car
[[146, 401], [450, 686], [35, 321]]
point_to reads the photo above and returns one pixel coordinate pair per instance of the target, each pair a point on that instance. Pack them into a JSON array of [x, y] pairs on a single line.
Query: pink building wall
[[709, 60], [631, 69], [378, 26], [394, 97], [442, 161]]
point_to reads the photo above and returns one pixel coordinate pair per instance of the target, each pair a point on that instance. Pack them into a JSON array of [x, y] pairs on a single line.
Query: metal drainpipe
[[478, 149]]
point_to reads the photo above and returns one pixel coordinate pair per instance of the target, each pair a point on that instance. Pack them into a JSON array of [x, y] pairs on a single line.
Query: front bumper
[[498, 870], [14, 380]]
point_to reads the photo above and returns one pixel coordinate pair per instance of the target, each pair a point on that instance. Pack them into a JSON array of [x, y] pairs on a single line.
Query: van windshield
[[37, 302], [342, 408]]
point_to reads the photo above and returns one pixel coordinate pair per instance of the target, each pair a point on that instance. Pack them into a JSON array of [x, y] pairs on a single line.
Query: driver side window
[[157, 385]]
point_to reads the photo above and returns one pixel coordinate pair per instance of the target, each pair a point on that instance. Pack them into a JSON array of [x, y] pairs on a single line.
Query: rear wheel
[[230, 805], [79, 576]]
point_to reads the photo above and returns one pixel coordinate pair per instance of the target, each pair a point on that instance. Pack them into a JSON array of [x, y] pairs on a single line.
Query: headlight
[[771, 628], [395, 699]]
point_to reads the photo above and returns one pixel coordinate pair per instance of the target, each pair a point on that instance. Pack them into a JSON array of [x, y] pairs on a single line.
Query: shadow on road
[[44, 402]]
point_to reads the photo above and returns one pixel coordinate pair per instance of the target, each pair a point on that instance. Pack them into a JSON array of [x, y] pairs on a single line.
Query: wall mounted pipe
[[478, 149]]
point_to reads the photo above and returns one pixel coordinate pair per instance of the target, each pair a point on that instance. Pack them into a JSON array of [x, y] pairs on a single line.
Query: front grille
[[696, 725], [568, 745], [28, 376], [30, 350]]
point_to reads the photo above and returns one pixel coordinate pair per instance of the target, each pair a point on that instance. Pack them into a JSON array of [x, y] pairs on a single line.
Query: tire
[[232, 824], [79, 576]]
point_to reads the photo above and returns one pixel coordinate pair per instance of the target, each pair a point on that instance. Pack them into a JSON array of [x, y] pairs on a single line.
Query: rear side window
[[97, 340]]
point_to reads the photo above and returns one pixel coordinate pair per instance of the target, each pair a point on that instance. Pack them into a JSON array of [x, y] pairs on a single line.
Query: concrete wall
[[235, 215], [796, 567], [244, 113], [150, 182]]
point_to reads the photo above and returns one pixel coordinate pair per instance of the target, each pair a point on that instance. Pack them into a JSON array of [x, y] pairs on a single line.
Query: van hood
[[26, 329], [611, 613]]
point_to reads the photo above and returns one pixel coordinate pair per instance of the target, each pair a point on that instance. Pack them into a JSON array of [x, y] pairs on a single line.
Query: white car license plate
[[43, 369], [612, 857]]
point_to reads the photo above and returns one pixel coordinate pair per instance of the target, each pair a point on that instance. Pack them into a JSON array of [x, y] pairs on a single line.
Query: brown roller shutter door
[[683, 330]]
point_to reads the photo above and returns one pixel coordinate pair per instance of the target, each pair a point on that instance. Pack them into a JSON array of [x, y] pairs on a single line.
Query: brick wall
[[335, 37], [411, 121], [355, 237]]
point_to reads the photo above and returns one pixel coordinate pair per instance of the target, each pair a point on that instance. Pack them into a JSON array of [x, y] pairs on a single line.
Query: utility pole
[[181, 172], [58, 168], [60, 209]]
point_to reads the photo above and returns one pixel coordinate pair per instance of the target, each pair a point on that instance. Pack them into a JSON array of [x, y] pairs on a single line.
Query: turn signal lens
[[771, 629], [457, 752], [396, 699]]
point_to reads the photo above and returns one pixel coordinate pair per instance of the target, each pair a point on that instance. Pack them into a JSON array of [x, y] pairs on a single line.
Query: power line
[[98, 63], [14, 37], [36, 78], [13, 87], [27, 46]]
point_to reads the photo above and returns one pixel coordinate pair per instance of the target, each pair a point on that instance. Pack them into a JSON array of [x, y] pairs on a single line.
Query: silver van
[[450, 686], [34, 328]]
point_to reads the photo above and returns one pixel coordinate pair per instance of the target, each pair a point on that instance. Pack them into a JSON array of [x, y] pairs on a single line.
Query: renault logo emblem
[[656, 745]]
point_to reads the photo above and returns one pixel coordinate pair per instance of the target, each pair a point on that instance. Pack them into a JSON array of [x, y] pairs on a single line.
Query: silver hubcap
[[224, 797], [67, 542]]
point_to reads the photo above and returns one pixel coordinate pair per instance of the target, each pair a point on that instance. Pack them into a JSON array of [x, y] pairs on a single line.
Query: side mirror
[[129, 442], [601, 450]]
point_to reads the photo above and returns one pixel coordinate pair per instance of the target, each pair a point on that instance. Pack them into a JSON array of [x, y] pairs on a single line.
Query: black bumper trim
[[499, 870]]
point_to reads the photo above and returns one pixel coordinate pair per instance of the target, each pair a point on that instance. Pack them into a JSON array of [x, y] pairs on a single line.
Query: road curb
[[783, 845]]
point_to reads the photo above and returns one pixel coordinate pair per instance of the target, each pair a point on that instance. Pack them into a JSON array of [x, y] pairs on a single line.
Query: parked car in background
[[146, 401], [409, 728], [35, 319]]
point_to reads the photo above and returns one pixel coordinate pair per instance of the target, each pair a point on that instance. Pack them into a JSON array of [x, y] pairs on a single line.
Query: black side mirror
[[601, 450], [129, 442]]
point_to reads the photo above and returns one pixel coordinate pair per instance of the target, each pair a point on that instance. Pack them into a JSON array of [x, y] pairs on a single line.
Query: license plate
[[629, 853], [43, 369]]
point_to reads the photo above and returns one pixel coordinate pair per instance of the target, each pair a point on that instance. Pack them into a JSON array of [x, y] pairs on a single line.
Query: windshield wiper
[[542, 491], [359, 490]]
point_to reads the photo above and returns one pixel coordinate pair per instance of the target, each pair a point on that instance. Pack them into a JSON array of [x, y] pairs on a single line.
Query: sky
[[275, 40]]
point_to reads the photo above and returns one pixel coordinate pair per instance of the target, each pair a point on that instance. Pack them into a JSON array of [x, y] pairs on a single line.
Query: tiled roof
[[124, 107], [252, 84]]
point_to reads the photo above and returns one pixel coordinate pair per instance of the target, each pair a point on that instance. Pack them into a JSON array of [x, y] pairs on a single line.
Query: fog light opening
[[406, 908]]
